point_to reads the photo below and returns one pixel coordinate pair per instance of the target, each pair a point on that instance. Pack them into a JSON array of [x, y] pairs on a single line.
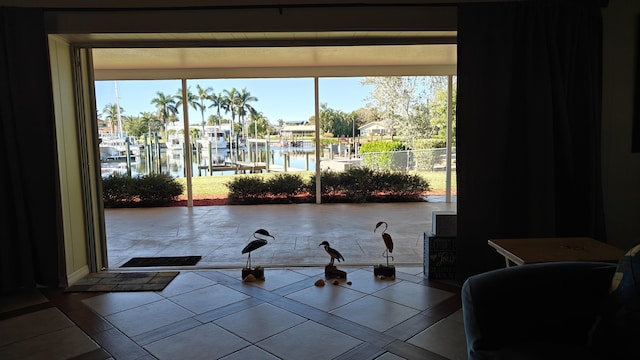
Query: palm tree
[[132, 125], [214, 120], [192, 99], [243, 99], [217, 101], [150, 121], [229, 105], [202, 96], [195, 134], [166, 106], [259, 124], [110, 113]]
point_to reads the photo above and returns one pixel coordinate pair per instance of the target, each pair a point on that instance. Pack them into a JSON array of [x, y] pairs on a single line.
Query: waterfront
[[427, 163], [172, 161]]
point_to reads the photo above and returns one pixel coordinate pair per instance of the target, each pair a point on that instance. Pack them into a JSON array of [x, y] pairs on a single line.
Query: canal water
[[172, 161]]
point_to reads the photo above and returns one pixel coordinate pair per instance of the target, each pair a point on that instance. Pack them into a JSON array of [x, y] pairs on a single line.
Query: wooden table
[[539, 250]]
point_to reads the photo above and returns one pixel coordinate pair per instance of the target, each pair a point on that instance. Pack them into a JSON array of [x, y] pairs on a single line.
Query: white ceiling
[[226, 55]]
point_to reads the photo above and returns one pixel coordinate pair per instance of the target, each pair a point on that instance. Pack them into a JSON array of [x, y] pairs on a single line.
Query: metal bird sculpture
[[388, 243], [332, 252], [256, 243]]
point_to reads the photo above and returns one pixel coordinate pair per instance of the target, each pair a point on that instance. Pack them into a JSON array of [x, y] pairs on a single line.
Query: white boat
[[212, 135], [108, 153], [174, 143], [215, 136], [115, 149], [111, 154], [121, 144]]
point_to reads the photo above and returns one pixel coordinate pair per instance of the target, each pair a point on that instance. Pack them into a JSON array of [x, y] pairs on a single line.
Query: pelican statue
[[256, 243], [388, 243], [332, 252]]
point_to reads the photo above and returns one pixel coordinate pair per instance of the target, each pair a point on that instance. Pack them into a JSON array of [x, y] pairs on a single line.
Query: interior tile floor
[[208, 312]]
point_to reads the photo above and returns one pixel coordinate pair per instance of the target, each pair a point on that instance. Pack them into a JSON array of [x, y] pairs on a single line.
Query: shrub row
[[355, 185], [382, 154], [146, 190], [254, 189]]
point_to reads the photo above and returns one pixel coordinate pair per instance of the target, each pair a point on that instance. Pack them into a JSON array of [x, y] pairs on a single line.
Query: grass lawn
[[437, 180], [215, 186]]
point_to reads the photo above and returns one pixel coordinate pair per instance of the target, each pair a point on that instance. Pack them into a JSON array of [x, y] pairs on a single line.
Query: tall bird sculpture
[[332, 252], [388, 243], [256, 243]]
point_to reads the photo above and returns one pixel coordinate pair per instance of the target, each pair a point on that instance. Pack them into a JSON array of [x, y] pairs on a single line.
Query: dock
[[237, 167], [244, 167]]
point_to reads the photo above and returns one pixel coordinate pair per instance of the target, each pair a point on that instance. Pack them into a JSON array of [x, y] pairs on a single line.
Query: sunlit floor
[[208, 312], [219, 233]]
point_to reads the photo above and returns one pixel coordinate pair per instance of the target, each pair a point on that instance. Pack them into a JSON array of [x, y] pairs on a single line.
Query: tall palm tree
[[166, 106], [217, 101], [243, 99], [192, 99], [202, 96], [229, 105], [110, 113]]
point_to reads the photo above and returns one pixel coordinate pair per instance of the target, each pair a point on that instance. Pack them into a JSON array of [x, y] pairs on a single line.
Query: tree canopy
[[413, 107]]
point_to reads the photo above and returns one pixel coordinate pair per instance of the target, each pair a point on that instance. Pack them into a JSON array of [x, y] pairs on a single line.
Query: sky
[[290, 99]]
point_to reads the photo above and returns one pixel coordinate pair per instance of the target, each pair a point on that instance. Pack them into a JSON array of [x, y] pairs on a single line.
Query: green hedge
[[285, 184], [381, 146], [380, 154], [355, 185], [253, 189], [245, 188], [146, 190]]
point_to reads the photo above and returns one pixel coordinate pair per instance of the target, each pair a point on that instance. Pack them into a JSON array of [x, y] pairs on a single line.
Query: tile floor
[[213, 314], [208, 312], [218, 233]]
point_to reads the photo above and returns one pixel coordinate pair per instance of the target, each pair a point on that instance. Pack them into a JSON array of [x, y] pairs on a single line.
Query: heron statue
[[388, 243], [256, 243], [332, 252]]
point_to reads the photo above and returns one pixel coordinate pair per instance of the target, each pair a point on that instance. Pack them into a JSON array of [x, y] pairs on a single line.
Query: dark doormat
[[124, 281], [162, 261]]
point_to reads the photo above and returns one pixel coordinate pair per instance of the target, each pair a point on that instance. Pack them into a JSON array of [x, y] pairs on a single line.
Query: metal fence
[[409, 160]]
